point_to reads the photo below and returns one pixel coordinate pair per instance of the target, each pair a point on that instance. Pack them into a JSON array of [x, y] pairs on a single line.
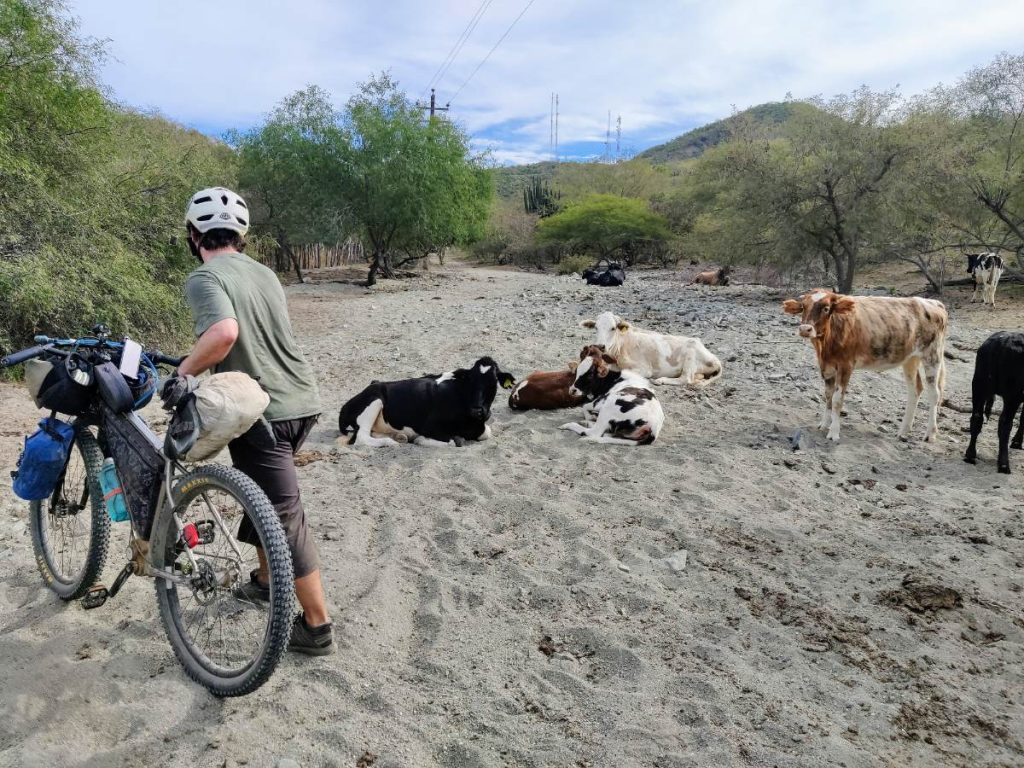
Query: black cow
[[998, 370], [439, 409]]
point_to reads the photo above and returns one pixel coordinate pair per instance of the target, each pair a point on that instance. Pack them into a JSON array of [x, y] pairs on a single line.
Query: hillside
[[511, 179], [694, 143]]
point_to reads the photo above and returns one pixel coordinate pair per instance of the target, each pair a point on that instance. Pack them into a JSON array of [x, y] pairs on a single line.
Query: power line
[[456, 48], [500, 41]]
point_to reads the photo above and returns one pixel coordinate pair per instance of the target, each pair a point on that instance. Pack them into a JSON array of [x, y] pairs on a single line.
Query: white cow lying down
[[661, 357]]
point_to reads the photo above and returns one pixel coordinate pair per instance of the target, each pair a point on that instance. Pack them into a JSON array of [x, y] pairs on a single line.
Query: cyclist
[[241, 321]]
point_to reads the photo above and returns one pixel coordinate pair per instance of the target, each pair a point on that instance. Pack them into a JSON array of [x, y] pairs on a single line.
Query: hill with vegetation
[[694, 143]]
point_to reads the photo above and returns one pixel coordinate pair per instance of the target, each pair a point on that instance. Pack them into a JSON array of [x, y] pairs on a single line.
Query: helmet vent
[[224, 199], [204, 217], [199, 200], [242, 221]]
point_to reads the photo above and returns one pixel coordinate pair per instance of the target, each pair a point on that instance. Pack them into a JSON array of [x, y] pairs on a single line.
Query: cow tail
[[988, 405]]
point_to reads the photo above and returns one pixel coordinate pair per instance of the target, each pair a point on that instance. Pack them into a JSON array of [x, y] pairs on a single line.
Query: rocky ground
[[743, 592]]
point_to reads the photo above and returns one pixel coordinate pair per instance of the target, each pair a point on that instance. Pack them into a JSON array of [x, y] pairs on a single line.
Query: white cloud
[[664, 66]]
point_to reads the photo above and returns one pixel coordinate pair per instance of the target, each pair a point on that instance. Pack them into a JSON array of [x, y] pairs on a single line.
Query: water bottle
[[113, 496]]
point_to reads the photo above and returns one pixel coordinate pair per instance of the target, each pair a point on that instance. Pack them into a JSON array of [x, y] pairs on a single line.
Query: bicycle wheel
[[70, 529], [227, 642]]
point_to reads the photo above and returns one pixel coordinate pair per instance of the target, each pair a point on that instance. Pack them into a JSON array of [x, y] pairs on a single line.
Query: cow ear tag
[[507, 382]]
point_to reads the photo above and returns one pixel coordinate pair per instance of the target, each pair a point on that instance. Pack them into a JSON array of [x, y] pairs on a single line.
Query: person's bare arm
[[212, 347]]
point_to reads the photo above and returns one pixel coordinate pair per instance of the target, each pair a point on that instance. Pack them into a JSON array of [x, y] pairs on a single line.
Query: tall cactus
[[538, 198]]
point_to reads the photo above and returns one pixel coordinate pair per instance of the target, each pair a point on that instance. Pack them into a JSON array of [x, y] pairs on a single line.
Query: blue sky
[[665, 67]]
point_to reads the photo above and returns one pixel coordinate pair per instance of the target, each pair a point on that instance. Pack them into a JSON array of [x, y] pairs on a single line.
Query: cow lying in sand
[[546, 391], [623, 409], [713, 277], [662, 357], [986, 269], [444, 409], [876, 333]]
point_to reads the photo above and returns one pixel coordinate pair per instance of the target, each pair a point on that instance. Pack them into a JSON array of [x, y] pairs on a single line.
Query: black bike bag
[[140, 467], [113, 388]]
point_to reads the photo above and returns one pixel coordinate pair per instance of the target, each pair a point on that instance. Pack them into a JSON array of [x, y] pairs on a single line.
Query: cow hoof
[[1004, 469], [971, 459], [1017, 446], [833, 436]]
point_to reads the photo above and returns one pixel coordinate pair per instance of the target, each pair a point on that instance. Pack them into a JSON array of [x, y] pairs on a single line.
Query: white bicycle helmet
[[217, 208]]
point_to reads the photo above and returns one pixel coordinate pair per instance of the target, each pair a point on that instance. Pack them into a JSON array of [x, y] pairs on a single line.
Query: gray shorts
[[274, 472]]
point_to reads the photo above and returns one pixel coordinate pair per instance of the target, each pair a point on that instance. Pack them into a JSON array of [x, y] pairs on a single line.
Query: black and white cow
[[623, 409], [998, 370], [986, 269], [442, 409]]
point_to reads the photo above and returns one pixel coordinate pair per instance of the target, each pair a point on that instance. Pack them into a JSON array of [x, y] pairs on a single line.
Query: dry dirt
[[522, 602]]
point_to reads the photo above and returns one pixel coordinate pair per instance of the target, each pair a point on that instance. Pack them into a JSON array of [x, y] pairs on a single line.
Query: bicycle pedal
[[95, 597]]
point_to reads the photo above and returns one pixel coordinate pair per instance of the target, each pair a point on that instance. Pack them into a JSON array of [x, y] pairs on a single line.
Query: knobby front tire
[[69, 537], [224, 666]]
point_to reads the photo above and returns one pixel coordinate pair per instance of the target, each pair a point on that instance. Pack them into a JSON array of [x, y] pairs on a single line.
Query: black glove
[[175, 388]]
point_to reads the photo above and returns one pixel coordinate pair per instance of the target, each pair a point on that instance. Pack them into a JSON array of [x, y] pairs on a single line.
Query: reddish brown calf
[[546, 390]]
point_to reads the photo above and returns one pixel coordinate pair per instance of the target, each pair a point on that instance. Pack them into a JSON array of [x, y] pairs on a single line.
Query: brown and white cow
[[876, 333], [662, 357], [546, 391], [713, 277]]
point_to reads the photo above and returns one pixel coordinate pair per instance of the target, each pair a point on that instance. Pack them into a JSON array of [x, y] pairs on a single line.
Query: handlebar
[[47, 344], [160, 359], [23, 355]]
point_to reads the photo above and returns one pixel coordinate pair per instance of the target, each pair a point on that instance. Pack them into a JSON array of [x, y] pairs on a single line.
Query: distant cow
[[660, 356], [546, 391], [876, 333], [986, 269], [443, 409], [998, 370], [713, 277], [623, 408]]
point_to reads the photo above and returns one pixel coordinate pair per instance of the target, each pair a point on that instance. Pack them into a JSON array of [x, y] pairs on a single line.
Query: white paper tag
[[130, 357]]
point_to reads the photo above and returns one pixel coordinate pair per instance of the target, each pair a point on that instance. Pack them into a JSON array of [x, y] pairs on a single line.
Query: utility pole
[[608, 138], [556, 127], [551, 132], [433, 105]]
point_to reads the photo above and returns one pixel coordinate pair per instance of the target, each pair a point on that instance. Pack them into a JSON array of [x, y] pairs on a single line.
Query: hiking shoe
[[253, 590], [313, 641]]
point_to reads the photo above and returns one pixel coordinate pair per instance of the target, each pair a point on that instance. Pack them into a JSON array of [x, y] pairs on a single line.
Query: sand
[[715, 599]]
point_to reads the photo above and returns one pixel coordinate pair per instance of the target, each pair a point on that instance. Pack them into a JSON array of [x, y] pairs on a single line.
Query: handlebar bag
[[64, 386], [222, 407], [113, 388], [43, 459]]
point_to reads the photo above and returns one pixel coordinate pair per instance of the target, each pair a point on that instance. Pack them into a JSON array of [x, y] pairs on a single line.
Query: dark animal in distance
[[986, 269], [998, 370], [441, 409]]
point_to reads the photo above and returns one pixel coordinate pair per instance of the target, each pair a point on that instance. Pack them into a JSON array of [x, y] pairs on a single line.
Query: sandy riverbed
[[511, 604]]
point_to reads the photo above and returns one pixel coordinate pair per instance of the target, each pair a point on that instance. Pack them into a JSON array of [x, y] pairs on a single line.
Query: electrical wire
[[456, 48], [500, 40]]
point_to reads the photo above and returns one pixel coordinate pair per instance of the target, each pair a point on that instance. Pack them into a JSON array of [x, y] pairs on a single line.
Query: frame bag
[[140, 466], [43, 459]]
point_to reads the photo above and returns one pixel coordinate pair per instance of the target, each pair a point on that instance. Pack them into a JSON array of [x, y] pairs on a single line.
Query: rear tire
[[60, 534], [176, 600]]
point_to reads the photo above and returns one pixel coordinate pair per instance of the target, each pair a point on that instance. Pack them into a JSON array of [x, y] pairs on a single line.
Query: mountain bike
[[184, 524]]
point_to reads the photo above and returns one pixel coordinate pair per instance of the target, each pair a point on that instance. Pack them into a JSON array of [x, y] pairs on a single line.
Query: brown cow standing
[[876, 333]]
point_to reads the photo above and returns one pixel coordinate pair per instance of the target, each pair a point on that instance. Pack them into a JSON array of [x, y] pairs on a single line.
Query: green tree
[[605, 225], [409, 185], [289, 168], [91, 194], [818, 191]]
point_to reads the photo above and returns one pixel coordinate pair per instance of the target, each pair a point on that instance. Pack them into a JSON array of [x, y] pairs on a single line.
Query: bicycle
[[183, 527]]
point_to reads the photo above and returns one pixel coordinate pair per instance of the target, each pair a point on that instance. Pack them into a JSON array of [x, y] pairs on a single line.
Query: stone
[[677, 561]]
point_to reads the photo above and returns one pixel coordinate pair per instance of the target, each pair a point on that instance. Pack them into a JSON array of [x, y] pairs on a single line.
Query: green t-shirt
[[234, 286]]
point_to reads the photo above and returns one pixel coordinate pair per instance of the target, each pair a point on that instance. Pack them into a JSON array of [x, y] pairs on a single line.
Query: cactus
[[538, 198]]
